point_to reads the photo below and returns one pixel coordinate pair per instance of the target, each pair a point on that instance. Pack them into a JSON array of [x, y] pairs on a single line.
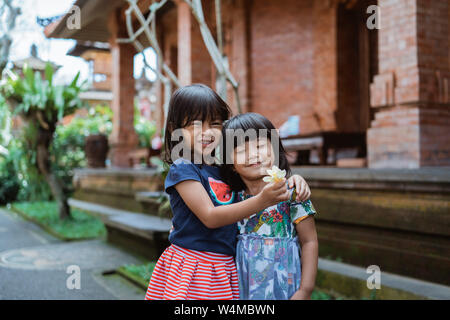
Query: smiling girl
[[199, 263], [267, 254]]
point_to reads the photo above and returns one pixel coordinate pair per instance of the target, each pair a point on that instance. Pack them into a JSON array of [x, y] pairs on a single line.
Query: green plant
[[67, 152], [39, 98], [144, 271], [9, 182], [145, 129], [320, 295], [5, 125], [41, 103], [98, 122], [162, 168]]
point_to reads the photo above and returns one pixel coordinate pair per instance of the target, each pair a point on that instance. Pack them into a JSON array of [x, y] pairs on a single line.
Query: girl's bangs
[[246, 122], [205, 112]]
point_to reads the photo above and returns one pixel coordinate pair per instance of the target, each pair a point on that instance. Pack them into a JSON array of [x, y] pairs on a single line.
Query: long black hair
[[190, 103], [245, 122]]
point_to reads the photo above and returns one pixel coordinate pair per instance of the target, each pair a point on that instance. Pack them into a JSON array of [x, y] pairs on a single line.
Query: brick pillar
[[239, 53], [410, 94], [184, 43], [201, 61], [194, 61], [325, 64], [123, 138]]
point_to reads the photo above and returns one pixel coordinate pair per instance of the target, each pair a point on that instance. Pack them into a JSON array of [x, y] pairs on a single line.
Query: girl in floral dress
[[268, 251], [199, 263]]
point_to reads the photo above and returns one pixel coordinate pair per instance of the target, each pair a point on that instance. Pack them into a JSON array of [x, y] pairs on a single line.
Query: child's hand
[[301, 187], [301, 295], [274, 193]]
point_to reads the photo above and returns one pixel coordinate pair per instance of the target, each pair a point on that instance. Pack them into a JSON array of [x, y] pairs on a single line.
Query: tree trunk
[[44, 140], [2, 67]]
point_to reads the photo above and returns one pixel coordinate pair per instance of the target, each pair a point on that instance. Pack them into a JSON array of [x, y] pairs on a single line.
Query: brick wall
[[411, 126], [434, 137], [281, 61], [325, 64], [307, 58], [394, 138]]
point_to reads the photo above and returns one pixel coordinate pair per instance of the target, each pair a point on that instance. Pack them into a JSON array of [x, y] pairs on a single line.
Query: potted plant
[[98, 127], [145, 130]]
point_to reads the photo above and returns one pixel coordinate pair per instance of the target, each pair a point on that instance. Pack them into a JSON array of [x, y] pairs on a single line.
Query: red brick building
[[315, 59], [318, 60]]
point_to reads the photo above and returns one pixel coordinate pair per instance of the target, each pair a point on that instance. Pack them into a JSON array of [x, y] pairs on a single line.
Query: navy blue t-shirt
[[189, 232]]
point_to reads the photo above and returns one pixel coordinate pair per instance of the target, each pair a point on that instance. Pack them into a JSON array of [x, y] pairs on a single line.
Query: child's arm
[[301, 187], [196, 198], [307, 236]]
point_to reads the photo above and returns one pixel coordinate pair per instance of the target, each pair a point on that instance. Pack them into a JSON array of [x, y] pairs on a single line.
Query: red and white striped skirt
[[185, 274]]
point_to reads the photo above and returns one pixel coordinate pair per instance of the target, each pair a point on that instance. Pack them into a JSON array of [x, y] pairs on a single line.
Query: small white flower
[[274, 175]]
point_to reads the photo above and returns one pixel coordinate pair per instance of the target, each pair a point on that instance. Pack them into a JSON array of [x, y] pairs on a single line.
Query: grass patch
[[45, 213], [139, 274], [321, 295]]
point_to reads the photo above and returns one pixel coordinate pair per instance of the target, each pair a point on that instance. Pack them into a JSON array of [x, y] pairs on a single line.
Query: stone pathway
[[34, 265]]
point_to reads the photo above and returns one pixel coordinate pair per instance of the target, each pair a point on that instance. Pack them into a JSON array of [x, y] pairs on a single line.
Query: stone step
[[145, 234], [154, 202], [351, 281], [127, 220], [153, 197]]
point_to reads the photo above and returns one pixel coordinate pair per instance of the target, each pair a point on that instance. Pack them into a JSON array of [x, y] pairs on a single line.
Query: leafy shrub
[[19, 177], [9, 183], [69, 141], [145, 129]]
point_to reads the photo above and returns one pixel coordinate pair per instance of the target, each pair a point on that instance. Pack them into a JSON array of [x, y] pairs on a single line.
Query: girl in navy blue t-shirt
[[199, 263]]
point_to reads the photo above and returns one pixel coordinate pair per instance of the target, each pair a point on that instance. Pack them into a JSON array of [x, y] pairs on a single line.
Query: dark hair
[[245, 122], [189, 103]]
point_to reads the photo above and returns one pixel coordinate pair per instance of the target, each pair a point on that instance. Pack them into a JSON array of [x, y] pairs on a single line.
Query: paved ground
[[33, 265]]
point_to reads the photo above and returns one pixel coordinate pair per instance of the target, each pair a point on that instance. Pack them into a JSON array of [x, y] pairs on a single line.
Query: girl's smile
[[257, 164], [206, 142], [253, 158], [203, 136]]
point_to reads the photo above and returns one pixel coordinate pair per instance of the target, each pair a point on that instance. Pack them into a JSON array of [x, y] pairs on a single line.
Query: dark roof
[[34, 63], [82, 46], [94, 21]]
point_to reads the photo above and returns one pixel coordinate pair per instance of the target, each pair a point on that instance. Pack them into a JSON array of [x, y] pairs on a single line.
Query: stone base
[[409, 137], [148, 249], [348, 281], [395, 219], [117, 187]]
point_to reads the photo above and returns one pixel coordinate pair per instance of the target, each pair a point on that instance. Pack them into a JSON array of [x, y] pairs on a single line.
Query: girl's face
[[253, 158], [203, 136]]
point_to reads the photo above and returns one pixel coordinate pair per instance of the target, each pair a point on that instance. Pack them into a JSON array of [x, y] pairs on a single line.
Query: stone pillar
[[123, 138], [410, 94]]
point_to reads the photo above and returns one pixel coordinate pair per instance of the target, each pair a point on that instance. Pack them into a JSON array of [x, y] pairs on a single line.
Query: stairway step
[[132, 222]]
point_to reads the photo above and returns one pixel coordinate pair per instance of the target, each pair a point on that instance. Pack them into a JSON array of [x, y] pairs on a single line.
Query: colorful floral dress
[[268, 253]]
